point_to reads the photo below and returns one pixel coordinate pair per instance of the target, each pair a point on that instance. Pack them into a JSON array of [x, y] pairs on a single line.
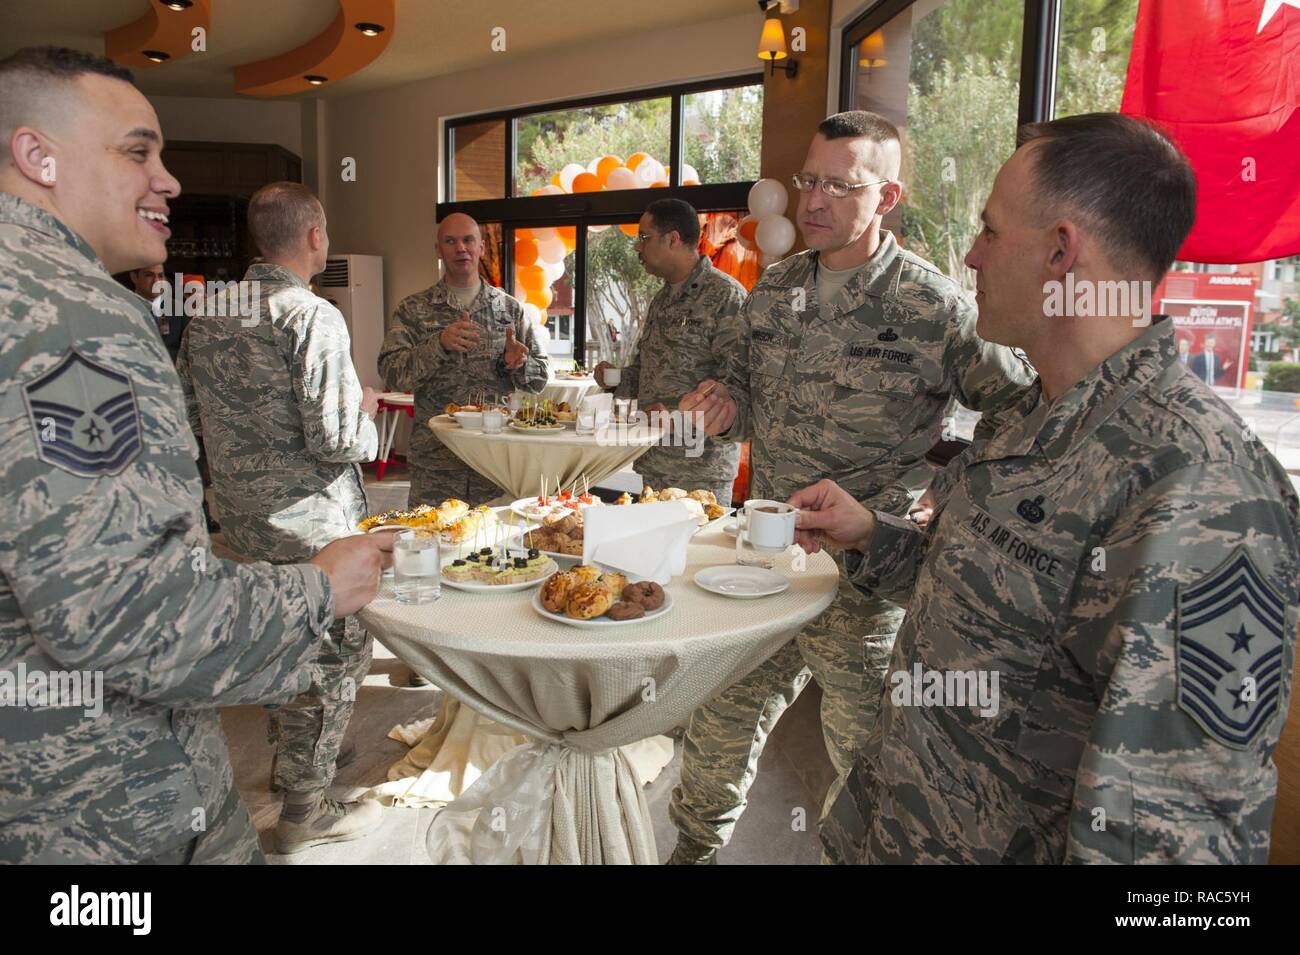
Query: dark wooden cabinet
[[229, 169]]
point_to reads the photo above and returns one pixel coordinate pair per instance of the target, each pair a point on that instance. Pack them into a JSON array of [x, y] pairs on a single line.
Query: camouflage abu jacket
[[856, 392], [278, 405], [107, 572], [1125, 559]]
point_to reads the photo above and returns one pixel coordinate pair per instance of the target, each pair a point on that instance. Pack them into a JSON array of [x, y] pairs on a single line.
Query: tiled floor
[[794, 772]]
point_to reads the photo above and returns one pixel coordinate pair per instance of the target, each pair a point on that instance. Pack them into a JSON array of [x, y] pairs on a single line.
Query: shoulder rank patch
[[84, 417], [1229, 649]]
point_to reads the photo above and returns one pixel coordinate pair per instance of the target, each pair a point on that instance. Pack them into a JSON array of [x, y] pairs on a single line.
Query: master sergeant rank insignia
[[84, 417]]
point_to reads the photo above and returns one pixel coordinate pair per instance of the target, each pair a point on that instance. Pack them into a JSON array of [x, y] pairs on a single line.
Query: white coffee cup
[[612, 376], [767, 525]]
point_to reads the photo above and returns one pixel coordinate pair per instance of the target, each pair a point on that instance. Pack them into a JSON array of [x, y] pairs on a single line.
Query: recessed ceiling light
[[315, 79], [370, 29], [178, 5], [158, 56]]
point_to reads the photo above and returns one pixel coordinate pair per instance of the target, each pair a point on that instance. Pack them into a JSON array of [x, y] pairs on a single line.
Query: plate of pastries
[[586, 596], [702, 503], [455, 521], [498, 570]]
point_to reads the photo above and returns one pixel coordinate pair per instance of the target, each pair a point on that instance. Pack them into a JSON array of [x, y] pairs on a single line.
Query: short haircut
[[1122, 177], [861, 123], [28, 77], [674, 215], [279, 215]]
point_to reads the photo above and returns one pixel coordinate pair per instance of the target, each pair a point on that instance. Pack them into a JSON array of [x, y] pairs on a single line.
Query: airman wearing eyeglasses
[[850, 355]]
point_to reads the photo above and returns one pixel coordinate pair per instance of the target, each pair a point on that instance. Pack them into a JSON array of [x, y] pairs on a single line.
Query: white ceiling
[[432, 37]]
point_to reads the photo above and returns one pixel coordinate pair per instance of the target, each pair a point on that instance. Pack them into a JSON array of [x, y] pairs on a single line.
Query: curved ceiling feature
[[161, 30], [340, 51]]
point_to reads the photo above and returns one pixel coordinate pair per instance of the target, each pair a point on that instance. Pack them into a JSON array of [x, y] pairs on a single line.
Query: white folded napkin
[[597, 402], [644, 541]]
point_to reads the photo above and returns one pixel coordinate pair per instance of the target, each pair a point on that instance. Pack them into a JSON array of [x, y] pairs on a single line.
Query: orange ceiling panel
[[338, 52], [161, 29]]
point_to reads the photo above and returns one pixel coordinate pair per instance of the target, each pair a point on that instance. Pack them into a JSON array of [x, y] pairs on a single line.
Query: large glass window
[[722, 134], [558, 148], [947, 73], [1092, 56]]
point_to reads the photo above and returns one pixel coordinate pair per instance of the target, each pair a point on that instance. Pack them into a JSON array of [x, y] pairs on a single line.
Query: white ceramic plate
[[530, 430], [519, 506], [736, 580], [477, 587], [708, 525], [602, 622], [729, 528]]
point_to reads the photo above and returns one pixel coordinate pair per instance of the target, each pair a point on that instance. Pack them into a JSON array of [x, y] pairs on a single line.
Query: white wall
[[396, 137], [245, 120]]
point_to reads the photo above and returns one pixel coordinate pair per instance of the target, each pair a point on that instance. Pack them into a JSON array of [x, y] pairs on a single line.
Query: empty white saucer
[[736, 580]]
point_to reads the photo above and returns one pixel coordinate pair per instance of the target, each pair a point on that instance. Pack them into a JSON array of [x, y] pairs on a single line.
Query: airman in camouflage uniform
[[854, 387], [691, 333], [279, 408], [441, 349], [1122, 555], [104, 554]]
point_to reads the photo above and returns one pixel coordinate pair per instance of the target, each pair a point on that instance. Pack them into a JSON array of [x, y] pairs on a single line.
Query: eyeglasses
[[644, 237], [835, 188]]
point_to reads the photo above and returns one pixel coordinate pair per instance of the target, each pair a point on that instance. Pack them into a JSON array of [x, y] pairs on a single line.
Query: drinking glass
[[416, 577]]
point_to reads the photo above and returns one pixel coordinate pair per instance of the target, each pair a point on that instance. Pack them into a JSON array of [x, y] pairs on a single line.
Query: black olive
[[533, 553], [458, 563], [521, 562], [485, 551]]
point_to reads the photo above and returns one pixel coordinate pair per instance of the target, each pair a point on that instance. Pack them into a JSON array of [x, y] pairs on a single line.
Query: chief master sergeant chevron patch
[[1230, 651]]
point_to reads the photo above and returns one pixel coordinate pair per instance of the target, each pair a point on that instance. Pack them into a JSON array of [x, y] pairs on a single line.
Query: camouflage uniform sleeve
[[407, 358], [535, 372], [892, 559], [187, 386], [1192, 594], [327, 391], [985, 377], [629, 383], [735, 373]]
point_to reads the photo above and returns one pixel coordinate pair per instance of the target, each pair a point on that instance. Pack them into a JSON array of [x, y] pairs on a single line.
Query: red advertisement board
[[1212, 315]]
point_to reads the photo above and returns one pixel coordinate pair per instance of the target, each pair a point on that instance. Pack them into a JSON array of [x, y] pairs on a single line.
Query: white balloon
[[554, 271], [688, 172], [567, 174], [551, 250], [745, 243], [591, 166], [543, 235], [649, 171], [550, 190], [598, 228], [621, 178], [774, 235], [767, 197], [521, 294], [532, 314]]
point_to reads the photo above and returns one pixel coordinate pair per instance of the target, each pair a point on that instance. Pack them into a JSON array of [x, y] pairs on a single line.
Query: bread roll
[[589, 600], [555, 592]]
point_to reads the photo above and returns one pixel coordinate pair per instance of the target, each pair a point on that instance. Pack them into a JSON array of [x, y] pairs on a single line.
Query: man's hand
[[599, 373], [714, 410], [829, 514], [369, 401], [353, 565], [922, 510], [516, 352], [665, 421], [460, 336]]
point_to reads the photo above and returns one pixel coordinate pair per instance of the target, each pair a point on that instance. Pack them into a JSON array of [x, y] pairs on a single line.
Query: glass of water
[[416, 577]]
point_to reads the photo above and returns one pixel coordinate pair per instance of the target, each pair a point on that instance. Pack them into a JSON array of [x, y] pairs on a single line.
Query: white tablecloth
[[572, 796], [517, 460], [570, 390]]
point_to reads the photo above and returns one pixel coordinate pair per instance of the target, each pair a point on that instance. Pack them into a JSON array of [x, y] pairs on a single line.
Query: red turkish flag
[[1222, 78]]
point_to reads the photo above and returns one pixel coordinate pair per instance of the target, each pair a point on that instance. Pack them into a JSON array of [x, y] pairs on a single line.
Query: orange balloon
[[522, 235], [690, 182], [555, 181], [607, 165], [569, 236], [629, 229], [540, 297], [531, 279], [585, 182], [658, 185], [525, 253], [634, 160], [747, 229]]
